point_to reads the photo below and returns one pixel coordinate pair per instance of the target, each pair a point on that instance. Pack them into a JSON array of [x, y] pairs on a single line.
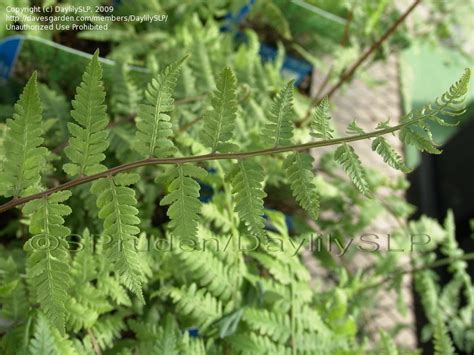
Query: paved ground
[[370, 104]]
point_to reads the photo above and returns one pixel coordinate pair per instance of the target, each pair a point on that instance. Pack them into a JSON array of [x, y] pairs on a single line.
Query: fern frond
[[443, 344], [451, 102], [117, 202], [195, 303], [48, 340], [154, 128], [389, 155], [387, 345], [88, 135], [48, 259], [299, 167], [201, 65], [208, 271], [107, 329], [183, 199], [279, 132], [219, 123], [24, 156], [125, 95], [412, 135], [273, 324], [346, 156], [320, 126], [248, 196]]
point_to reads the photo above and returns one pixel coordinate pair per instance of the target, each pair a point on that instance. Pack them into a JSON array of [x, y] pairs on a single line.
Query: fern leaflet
[[48, 260], [279, 132], [117, 208], [389, 155], [298, 167], [24, 157], [154, 128], [346, 156], [249, 195], [89, 137], [320, 127], [183, 199], [219, 123]]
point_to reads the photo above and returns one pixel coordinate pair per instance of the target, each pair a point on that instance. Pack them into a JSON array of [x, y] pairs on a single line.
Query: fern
[[272, 324], [125, 95], [183, 199], [442, 342], [279, 132], [24, 156], [196, 304], [389, 155], [449, 104], [249, 195], [351, 164], [117, 208], [320, 126], [298, 167], [219, 123], [88, 135], [48, 340], [48, 256], [153, 125]]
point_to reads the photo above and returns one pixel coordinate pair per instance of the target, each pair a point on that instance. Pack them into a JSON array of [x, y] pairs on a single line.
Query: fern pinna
[[235, 297]]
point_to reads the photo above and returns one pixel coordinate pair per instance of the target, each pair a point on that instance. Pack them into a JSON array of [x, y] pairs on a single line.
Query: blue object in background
[[193, 332], [9, 50], [294, 67]]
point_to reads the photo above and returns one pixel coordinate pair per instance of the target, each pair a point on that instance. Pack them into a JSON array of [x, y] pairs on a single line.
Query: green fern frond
[[195, 303], [442, 342], [107, 329], [387, 345], [273, 324], [117, 202], [346, 156], [219, 123], [208, 271], [125, 95], [354, 129], [279, 132], [48, 259], [24, 156], [201, 65], [48, 340], [451, 102], [154, 128], [320, 124], [414, 136], [88, 135], [248, 196], [299, 167], [389, 155], [183, 198]]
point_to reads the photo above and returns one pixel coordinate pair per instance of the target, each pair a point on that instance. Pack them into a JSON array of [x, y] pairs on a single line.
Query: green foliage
[[320, 127], [219, 123], [183, 199], [249, 195], [349, 160], [88, 135], [24, 156], [299, 168], [153, 126], [279, 132], [117, 202]]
